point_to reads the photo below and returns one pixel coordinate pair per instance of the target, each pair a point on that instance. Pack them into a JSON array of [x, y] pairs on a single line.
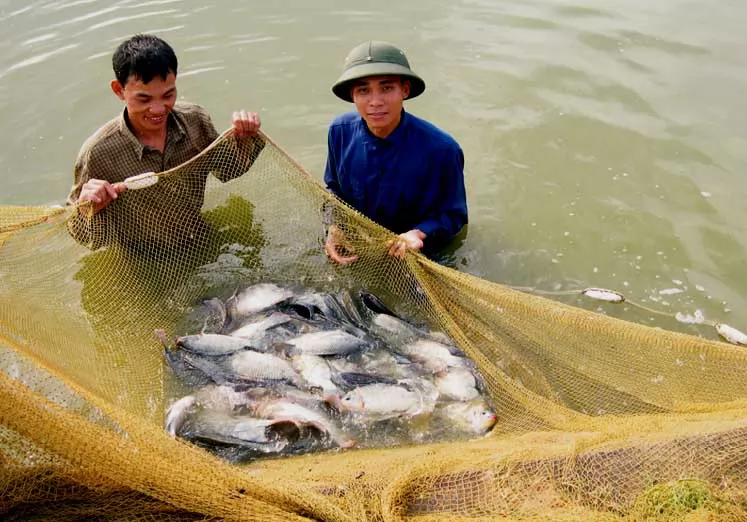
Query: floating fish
[[329, 342]]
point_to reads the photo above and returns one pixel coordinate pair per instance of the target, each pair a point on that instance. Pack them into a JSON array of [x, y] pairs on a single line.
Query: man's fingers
[[111, 190], [330, 248], [397, 248], [245, 123]]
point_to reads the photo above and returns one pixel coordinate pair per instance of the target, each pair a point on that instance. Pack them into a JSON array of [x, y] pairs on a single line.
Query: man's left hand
[[245, 123], [410, 240]]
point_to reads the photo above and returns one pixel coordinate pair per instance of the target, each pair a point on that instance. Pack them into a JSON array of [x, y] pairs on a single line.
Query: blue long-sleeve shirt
[[413, 178]]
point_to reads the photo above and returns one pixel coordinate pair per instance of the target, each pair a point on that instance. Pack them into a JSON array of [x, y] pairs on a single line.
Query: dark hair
[[143, 56]]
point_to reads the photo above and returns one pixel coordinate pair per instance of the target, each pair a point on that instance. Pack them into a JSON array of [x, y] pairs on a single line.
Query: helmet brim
[[342, 86]]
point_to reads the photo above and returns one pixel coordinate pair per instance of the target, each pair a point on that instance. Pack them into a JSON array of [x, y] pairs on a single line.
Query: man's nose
[[157, 108]]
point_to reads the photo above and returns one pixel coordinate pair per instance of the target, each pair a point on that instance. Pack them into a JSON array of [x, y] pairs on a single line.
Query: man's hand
[[245, 123], [410, 240], [100, 192], [335, 240]]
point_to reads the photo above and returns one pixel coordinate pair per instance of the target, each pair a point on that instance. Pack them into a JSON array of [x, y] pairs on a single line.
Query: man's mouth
[[156, 120]]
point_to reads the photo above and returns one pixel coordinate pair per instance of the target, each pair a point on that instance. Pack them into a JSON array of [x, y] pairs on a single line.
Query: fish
[[258, 328], [327, 342], [395, 330], [283, 409], [474, 417], [217, 344], [435, 356], [258, 367], [381, 401], [457, 383], [255, 299], [215, 397], [183, 368], [209, 316], [261, 435], [316, 371]]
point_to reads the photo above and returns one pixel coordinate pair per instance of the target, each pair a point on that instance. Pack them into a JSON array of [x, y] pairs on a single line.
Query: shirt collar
[[176, 131]]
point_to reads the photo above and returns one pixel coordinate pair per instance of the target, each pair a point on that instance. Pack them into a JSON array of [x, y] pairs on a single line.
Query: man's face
[[379, 102], [148, 104]]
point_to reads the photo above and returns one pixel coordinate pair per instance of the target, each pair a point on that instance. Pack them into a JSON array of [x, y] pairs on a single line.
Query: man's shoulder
[[432, 134], [107, 136], [189, 110]]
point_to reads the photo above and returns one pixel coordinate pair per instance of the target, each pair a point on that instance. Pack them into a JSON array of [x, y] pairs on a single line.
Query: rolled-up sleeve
[[90, 230]]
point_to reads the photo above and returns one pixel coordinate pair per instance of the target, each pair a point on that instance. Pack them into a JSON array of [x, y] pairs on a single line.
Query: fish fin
[[211, 370], [161, 334], [349, 380], [177, 414], [374, 304]]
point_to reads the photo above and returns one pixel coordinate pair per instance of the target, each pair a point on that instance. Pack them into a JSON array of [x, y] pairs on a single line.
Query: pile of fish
[[276, 370]]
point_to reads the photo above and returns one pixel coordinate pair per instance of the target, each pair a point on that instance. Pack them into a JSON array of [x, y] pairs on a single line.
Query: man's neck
[[154, 139]]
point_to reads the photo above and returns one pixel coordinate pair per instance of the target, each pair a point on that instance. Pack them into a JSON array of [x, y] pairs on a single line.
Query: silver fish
[[326, 342], [435, 356], [258, 328], [255, 299], [216, 344], [316, 371], [394, 330], [382, 401], [473, 416], [220, 398], [256, 366], [262, 435], [398, 331], [458, 384], [283, 409]]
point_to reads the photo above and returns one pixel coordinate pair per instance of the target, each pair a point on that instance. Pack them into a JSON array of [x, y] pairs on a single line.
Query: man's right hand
[[100, 192], [335, 240]]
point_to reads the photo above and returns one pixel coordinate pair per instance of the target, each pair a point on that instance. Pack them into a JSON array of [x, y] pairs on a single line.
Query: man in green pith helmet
[[397, 169]]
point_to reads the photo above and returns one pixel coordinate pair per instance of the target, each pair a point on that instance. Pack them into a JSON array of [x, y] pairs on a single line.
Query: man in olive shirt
[[154, 133]]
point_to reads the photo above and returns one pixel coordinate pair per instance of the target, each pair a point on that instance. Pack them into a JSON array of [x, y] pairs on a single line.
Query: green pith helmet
[[376, 59]]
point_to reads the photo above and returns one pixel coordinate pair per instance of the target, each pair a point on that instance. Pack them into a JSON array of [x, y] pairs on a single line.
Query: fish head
[[481, 418], [351, 401]]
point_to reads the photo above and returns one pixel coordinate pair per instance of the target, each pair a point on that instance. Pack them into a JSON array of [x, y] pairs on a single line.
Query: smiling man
[[397, 169], [154, 133]]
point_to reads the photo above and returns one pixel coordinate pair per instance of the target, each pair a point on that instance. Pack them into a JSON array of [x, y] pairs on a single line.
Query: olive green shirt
[[166, 214]]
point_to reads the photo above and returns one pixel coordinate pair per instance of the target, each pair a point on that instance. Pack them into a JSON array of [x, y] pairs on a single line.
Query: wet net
[[598, 418]]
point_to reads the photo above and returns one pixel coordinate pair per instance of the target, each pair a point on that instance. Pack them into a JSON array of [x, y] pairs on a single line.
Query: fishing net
[[598, 418]]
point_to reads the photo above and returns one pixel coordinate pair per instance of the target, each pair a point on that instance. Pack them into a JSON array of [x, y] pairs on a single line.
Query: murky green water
[[604, 139]]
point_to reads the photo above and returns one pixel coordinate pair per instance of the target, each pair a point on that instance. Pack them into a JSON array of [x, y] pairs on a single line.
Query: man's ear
[[406, 88], [117, 88]]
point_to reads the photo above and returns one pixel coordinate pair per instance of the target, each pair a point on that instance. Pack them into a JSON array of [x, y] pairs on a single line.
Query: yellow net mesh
[[599, 419]]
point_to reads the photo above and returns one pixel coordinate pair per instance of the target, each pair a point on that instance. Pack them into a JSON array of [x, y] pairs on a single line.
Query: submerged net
[[598, 419]]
